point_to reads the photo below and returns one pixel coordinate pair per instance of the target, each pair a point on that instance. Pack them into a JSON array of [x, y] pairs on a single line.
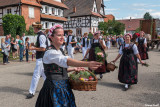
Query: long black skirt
[[128, 69], [56, 94]]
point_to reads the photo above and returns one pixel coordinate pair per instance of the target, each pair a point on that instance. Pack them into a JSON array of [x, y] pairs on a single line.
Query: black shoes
[[29, 96], [101, 76]]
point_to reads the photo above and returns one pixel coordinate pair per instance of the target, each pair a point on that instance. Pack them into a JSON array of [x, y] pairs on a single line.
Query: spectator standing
[[17, 39], [13, 47], [4, 47], [21, 48], [27, 44]]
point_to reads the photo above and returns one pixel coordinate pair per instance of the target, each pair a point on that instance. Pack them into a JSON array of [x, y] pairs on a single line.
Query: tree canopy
[[147, 16], [13, 24], [112, 27]]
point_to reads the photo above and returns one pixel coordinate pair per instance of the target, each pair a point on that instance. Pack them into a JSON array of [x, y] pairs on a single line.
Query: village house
[[131, 24], [83, 15], [48, 12], [109, 17]]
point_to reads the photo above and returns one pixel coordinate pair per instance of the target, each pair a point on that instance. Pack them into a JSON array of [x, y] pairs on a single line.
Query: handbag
[[111, 66], [15, 46]]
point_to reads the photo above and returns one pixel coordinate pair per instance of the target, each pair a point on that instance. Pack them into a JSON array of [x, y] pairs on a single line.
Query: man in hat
[[71, 43], [85, 43], [40, 47]]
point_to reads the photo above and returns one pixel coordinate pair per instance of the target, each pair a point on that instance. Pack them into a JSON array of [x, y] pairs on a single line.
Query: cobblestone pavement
[[15, 81]]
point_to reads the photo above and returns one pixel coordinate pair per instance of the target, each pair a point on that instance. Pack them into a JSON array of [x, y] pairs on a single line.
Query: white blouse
[[135, 50], [95, 41], [55, 56], [145, 41]]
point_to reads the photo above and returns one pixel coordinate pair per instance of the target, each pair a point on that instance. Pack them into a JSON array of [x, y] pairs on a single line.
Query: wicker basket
[[84, 86], [111, 66]]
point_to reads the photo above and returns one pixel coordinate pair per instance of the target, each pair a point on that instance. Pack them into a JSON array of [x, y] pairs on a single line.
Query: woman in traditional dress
[[94, 43], [56, 91], [142, 46], [128, 68]]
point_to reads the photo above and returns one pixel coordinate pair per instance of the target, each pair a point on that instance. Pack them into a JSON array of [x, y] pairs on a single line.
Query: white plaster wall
[[85, 30]]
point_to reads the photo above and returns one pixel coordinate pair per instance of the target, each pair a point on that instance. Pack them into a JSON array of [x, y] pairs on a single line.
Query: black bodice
[[54, 71]]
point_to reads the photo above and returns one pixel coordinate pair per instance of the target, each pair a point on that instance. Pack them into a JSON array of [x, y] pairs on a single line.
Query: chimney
[[74, 9], [130, 19]]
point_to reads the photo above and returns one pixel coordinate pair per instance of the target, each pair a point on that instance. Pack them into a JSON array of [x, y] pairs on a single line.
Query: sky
[[124, 9]]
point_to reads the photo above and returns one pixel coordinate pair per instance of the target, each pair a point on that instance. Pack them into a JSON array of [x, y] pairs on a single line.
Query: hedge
[[13, 24]]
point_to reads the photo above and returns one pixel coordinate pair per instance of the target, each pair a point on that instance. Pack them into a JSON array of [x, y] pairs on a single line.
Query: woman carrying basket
[[128, 68], [92, 48], [56, 91]]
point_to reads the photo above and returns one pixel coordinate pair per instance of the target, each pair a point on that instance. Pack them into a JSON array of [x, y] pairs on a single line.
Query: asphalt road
[[15, 81]]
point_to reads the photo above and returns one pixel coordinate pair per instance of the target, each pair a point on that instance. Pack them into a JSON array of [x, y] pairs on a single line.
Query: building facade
[[131, 24], [48, 12], [83, 15]]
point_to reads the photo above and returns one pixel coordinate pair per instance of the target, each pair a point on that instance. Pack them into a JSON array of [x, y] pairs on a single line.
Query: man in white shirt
[[41, 45], [71, 43]]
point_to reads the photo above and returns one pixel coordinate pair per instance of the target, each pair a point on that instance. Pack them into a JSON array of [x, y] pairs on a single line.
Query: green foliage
[[31, 31], [137, 30], [147, 16], [90, 35], [13, 24], [112, 27]]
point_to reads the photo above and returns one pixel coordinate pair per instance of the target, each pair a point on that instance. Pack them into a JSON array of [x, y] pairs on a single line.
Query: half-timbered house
[[48, 12], [83, 15]]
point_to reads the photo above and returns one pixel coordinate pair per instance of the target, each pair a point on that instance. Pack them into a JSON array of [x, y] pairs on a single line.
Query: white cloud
[[156, 14], [145, 10], [139, 5], [106, 0], [111, 9], [154, 5]]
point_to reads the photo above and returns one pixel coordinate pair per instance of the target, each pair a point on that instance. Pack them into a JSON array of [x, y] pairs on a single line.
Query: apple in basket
[[91, 78]]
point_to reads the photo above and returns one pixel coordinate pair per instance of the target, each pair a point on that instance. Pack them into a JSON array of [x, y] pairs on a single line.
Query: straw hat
[[37, 25]]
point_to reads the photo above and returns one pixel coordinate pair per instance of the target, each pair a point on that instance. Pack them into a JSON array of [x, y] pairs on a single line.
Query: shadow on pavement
[[112, 85], [25, 73], [147, 98], [13, 90]]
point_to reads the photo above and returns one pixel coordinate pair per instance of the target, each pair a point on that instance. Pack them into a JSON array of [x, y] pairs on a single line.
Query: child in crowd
[[27, 44]]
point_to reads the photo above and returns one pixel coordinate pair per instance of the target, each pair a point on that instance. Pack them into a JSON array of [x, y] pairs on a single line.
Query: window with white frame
[[46, 9], [46, 25], [31, 12], [53, 24], [59, 12], [53, 11], [79, 20], [9, 11]]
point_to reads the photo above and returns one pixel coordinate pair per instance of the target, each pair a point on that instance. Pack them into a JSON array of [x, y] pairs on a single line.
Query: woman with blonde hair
[[4, 51], [17, 39]]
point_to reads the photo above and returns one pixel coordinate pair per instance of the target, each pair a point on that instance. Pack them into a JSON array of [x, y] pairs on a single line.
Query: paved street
[[15, 81]]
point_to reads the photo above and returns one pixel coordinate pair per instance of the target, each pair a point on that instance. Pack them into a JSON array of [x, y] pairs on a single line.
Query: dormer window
[[94, 8]]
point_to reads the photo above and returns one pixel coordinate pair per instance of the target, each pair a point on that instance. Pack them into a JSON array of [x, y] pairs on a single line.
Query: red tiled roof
[[9, 2], [53, 17], [56, 3], [29, 2], [108, 17], [131, 24], [14, 2], [96, 14]]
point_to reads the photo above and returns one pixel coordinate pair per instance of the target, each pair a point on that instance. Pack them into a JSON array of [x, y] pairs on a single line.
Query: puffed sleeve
[[89, 46], [120, 51], [42, 41], [145, 40], [75, 39], [135, 50], [54, 56], [136, 39]]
